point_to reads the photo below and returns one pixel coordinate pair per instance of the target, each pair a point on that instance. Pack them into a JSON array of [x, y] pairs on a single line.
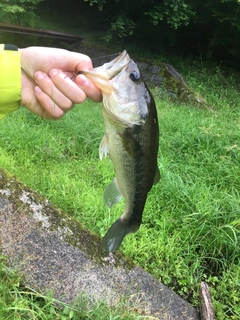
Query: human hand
[[50, 81]]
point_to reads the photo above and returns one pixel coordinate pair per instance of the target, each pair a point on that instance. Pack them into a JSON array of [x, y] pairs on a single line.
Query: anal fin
[[112, 194]]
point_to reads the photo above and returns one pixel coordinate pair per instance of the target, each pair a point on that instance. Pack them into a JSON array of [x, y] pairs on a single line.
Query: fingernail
[[39, 75], [53, 72], [37, 89]]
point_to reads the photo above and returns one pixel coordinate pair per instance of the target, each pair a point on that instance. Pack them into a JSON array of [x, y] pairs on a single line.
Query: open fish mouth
[[110, 69], [101, 76]]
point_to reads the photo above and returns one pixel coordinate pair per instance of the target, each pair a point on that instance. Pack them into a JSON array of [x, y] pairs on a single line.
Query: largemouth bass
[[131, 141]]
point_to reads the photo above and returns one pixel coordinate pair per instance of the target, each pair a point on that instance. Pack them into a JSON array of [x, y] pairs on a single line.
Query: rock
[[54, 252], [142, 66], [177, 86], [154, 69], [157, 80]]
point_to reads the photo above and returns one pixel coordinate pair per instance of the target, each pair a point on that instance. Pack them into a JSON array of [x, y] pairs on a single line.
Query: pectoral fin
[[103, 148], [112, 194]]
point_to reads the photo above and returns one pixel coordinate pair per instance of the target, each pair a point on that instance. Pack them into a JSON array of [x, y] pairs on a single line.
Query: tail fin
[[114, 237]]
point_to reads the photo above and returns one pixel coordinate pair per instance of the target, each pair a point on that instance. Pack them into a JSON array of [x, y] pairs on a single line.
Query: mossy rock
[[179, 89]]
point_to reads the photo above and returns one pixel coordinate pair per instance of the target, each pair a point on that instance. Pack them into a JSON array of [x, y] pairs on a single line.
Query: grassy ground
[[191, 223]]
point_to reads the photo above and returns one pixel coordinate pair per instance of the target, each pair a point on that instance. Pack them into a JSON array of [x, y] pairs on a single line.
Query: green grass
[[191, 223]]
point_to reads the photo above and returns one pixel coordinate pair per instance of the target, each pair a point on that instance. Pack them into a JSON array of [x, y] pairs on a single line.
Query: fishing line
[[109, 55]]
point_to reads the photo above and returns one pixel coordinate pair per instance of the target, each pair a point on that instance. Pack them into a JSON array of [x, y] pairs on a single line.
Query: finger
[[47, 108], [92, 91], [42, 58], [35, 106], [55, 95], [64, 82]]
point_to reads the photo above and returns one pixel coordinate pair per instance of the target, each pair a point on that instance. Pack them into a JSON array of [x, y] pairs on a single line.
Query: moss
[[78, 236], [176, 84]]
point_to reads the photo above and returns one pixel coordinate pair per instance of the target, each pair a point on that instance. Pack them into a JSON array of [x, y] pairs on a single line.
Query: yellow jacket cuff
[[10, 79]]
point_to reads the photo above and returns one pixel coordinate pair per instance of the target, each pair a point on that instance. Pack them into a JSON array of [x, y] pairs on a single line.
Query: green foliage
[[99, 3], [125, 14], [176, 13], [19, 12], [122, 27], [209, 27], [221, 21], [228, 286]]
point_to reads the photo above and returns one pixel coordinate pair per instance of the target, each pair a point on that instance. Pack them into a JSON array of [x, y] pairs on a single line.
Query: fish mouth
[[101, 76], [112, 68]]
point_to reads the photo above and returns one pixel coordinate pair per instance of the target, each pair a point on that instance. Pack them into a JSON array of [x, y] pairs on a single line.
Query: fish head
[[125, 94], [128, 86]]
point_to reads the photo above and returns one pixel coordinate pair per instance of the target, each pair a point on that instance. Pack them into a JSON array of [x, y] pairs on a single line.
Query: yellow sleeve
[[10, 79]]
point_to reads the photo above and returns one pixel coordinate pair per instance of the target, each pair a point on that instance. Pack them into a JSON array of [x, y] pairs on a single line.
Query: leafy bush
[[19, 12]]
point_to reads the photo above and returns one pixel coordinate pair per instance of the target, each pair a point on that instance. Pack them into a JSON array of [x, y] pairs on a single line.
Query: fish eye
[[135, 76]]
